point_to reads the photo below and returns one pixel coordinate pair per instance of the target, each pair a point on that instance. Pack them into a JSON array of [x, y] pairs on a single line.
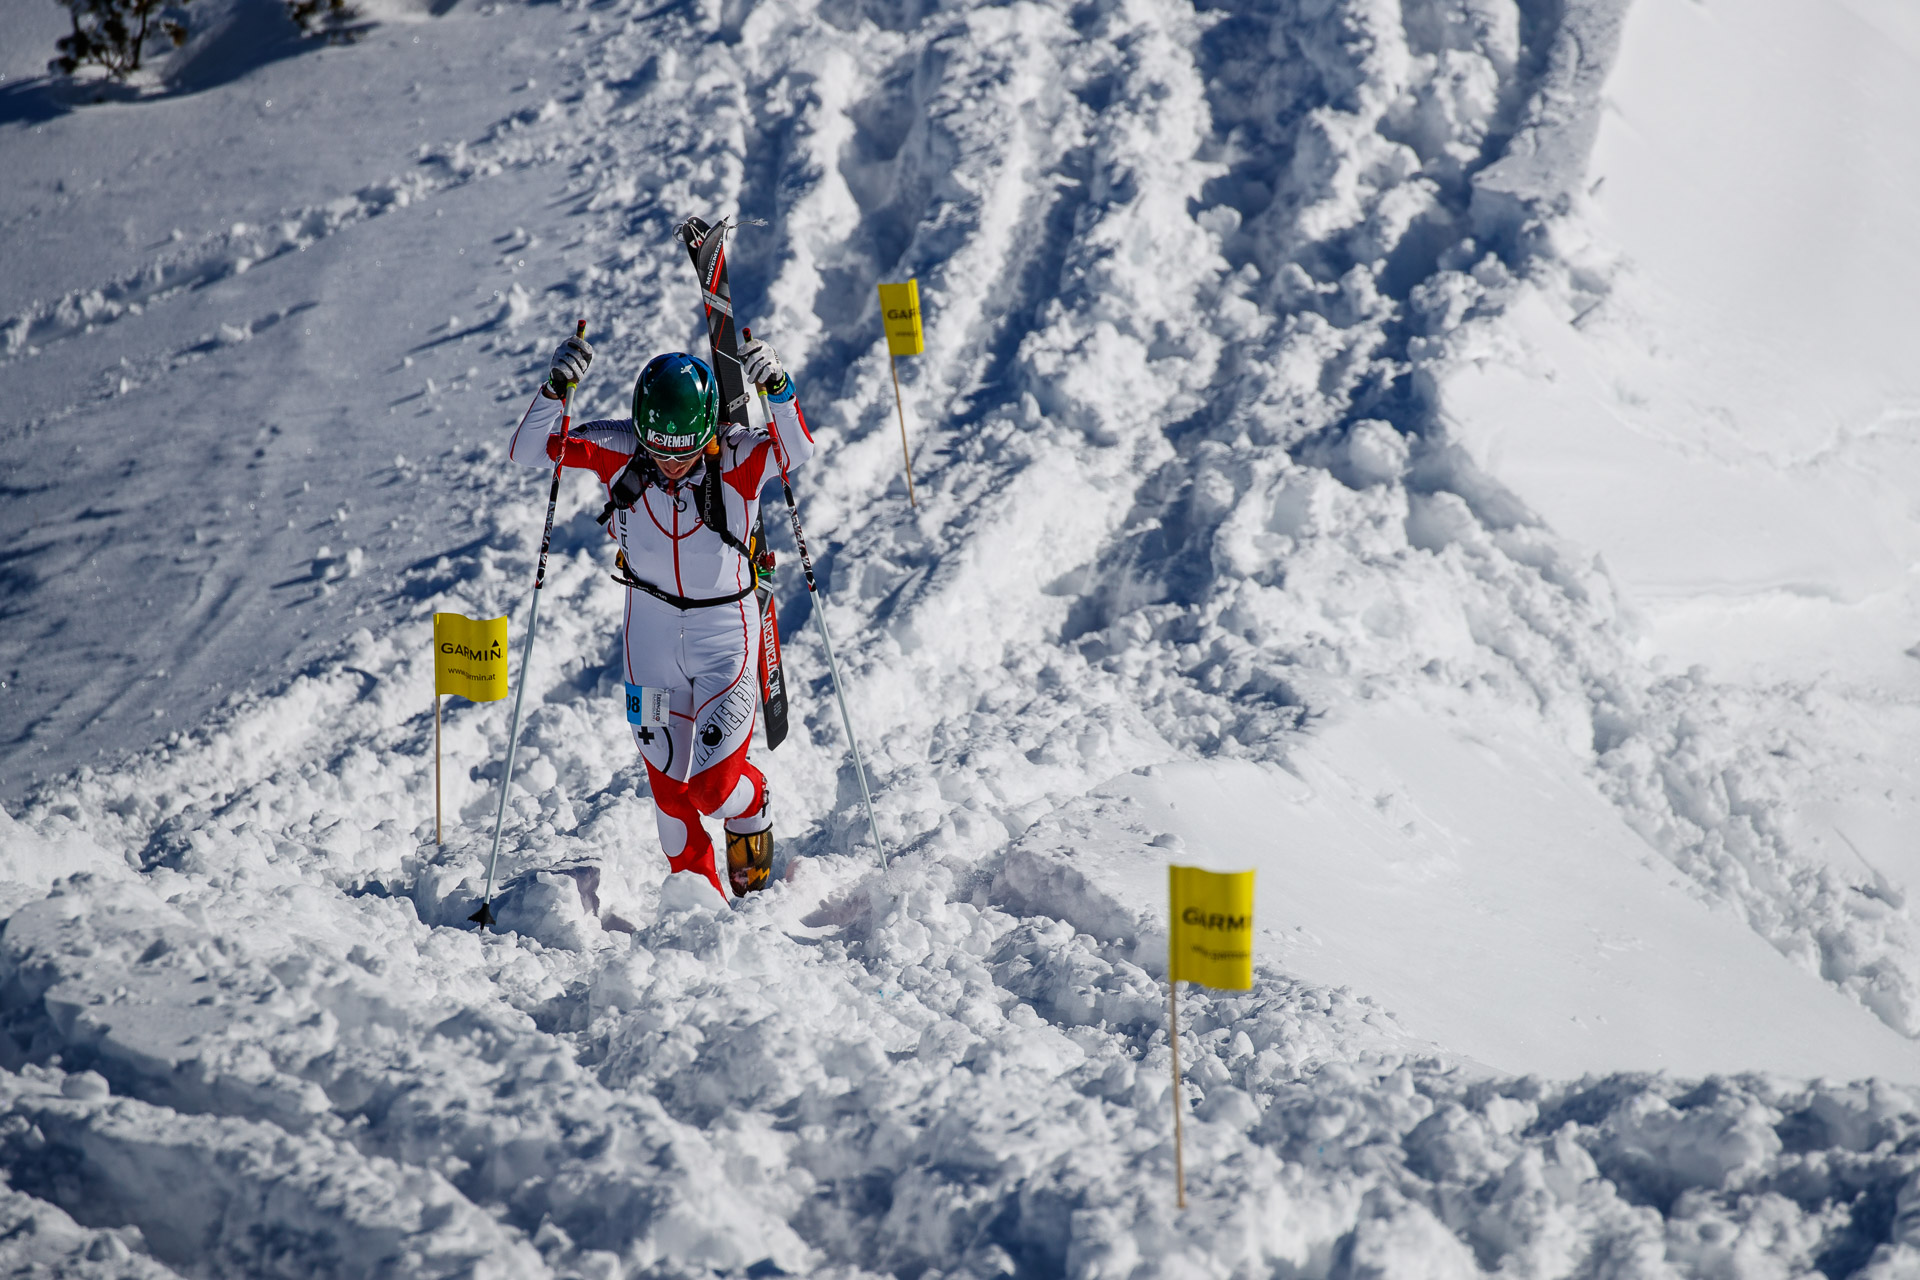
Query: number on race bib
[[646, 707]]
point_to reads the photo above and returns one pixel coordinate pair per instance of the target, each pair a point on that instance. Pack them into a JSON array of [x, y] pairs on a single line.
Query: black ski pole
[[484, 916], [820, 619]]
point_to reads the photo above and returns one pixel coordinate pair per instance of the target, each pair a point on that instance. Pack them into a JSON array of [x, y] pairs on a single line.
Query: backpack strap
[[713, 508], [625, 489], [641, 472]]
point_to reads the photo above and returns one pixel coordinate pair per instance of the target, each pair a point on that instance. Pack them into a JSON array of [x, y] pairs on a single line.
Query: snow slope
[[1753, 357], [1727, 414], [1469, 881], [1196, 520]]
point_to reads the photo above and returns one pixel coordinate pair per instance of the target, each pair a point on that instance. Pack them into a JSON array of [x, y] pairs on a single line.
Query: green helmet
[[675, 406]]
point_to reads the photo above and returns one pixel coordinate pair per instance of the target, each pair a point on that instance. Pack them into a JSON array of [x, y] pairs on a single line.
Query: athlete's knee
[[670, 795], [748, 797], [727, 788]]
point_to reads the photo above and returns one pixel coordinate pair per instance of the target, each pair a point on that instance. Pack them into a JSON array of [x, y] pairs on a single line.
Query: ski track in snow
[[248, 1039]]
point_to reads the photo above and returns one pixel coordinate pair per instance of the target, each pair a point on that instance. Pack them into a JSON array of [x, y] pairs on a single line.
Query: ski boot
[[749, 860]]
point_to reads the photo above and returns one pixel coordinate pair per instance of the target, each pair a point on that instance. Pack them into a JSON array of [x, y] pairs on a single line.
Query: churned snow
[[1435, 453]]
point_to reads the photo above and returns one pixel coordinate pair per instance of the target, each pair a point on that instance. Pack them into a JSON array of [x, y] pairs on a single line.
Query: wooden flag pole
[[1209, 942], [1173, 1040], [900, 315], [469, 661], [905, 457]]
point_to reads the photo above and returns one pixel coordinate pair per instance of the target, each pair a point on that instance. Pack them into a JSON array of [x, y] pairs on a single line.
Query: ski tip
[[484, 916]]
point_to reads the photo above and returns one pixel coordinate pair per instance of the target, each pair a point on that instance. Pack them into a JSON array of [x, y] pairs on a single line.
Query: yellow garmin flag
[[1211, 941], [900, 313], [900, 310], [470, 656]]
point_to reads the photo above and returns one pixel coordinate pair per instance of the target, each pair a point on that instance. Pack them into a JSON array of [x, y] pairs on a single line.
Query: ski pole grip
[[779, 454]]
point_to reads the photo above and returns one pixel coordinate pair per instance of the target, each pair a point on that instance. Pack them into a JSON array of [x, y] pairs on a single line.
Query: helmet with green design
[[675, 406]]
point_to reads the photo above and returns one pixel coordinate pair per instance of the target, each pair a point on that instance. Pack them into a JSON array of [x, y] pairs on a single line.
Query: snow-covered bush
[[114, 33], [333, 20]]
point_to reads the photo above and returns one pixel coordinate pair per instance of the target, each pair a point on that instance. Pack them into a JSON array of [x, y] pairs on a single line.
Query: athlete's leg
[[736, 791], [732, 789], [722, 644], [723, 783], [653, 650], [682, 837]]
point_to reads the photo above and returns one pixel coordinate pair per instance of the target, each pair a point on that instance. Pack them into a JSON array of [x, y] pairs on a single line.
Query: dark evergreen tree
[[114, 33], [334, 20]]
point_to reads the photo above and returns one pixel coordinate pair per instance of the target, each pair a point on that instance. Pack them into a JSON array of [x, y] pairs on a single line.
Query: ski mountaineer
[[684, 496]]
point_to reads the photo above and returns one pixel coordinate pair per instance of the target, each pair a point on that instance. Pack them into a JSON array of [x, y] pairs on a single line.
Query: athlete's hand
[[761, 363], [570, 361]]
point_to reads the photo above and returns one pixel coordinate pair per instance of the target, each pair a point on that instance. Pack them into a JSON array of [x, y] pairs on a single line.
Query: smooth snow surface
[[1734, 427], [1726, 410], [1250, 441], [1471, 880]]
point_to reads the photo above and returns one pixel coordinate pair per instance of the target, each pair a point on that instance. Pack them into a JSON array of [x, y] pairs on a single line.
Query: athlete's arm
[[536, 441], [602, 447], [788, 426], [529, 447]]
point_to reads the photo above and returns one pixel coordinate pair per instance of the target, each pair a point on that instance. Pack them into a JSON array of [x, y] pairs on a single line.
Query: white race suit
[[695, 669]]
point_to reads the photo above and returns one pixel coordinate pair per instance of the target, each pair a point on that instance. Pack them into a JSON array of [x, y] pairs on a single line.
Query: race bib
[[646, 707]]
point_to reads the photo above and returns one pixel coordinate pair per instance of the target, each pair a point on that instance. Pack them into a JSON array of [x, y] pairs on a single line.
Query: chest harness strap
[[626, 490]]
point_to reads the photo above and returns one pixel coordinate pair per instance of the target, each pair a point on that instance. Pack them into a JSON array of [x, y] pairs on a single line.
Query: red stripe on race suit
[[646, 500], [745, 656], [585, 455], [747, 474]]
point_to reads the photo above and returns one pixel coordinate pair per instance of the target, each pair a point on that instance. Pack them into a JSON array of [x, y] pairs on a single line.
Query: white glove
[[570, 361], [761, 363]]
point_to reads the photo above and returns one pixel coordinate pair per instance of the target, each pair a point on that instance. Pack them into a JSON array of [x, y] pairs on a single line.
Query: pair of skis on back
[[707, 246]]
